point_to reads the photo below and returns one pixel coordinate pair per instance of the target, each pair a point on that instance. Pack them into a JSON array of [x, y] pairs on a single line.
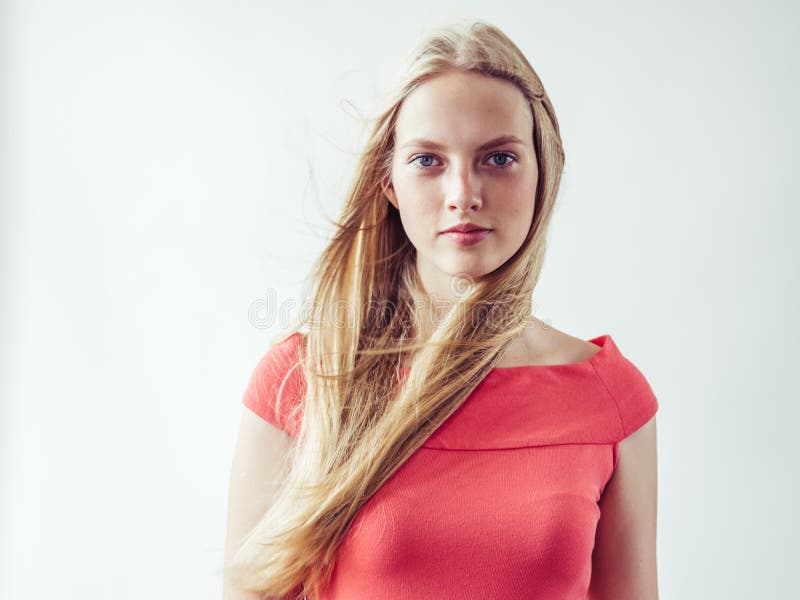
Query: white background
[[167, 165]]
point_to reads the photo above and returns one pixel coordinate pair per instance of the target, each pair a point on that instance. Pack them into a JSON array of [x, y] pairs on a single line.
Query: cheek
[[526, 200], [418, 220], [418, 205], [519, 216], [525, 212]]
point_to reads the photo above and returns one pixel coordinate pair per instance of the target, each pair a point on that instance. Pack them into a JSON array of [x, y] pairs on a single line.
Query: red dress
[[502, 500]]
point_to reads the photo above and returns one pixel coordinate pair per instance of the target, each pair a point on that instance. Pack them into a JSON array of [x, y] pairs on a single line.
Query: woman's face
[[463, 153]]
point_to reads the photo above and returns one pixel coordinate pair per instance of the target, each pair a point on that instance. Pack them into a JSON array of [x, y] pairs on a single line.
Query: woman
[[426, 436]]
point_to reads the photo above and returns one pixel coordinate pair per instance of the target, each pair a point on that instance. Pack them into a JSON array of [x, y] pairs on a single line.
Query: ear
[[388, 190]]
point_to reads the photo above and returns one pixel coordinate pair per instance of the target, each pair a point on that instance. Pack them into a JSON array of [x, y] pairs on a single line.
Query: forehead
[[464, 107]]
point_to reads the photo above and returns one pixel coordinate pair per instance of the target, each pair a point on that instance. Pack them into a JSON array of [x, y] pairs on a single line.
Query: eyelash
[[505, 166]]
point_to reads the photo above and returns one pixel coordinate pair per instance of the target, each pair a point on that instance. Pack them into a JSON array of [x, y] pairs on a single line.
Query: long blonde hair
[[360, 422]]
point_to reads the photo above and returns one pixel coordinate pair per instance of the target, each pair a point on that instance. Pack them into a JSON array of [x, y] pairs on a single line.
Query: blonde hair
[[359, 424]]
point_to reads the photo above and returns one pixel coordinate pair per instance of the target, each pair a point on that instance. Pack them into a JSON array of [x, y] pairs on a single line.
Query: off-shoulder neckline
[[604, 342]]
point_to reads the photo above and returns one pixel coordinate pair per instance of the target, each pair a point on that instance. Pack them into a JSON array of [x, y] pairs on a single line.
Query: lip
[[467, 238], [466, 227]]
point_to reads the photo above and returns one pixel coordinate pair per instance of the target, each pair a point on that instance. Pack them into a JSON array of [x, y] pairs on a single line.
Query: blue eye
[[505, 155], [423, 156]]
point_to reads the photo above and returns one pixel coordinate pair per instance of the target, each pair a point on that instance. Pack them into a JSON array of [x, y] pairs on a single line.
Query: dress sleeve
[[632, 393], [277, 368]]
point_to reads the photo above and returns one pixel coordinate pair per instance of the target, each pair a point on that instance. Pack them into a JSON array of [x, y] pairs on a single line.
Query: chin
[[470, 270]]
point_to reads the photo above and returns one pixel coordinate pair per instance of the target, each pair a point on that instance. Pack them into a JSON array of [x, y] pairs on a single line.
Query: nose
[[463, 190]]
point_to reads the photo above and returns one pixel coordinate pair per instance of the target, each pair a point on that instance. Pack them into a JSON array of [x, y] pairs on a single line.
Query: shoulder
[[543, 344], [569, 349], [627, 385], [277, 386], [281, 358], [288, 347], [633, 397]]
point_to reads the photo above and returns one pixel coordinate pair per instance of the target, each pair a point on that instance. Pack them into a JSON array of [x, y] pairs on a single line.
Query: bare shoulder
[[543, 344]]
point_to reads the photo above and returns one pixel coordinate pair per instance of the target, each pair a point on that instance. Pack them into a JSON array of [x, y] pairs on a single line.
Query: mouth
[[467, 238], [466, 228]]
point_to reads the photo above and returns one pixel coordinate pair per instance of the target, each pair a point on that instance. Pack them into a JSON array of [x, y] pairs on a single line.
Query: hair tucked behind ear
[[361, 422]]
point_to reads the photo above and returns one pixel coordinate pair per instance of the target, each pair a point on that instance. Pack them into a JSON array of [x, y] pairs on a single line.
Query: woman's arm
[[624, 556], [258, 462]]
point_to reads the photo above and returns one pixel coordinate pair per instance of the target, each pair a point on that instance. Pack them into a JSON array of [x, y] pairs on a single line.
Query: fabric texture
[[501, 501]]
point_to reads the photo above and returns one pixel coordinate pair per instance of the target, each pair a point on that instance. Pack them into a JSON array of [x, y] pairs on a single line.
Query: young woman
[[419, 434]]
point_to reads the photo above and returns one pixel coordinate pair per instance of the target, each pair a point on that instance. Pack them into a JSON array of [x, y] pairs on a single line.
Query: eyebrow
[[503, 139]]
